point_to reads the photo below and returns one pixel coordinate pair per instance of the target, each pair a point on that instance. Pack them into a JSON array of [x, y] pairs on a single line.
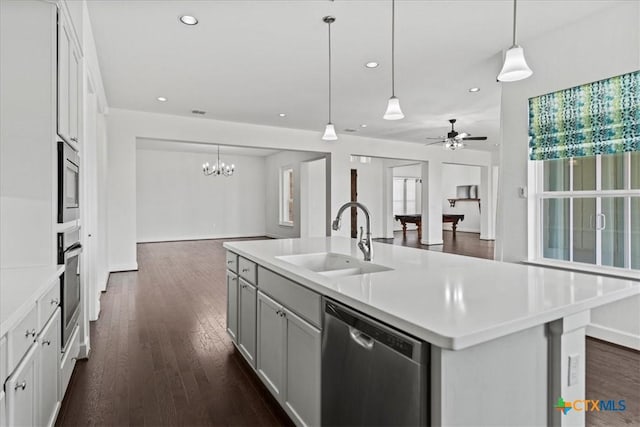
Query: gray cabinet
[[271, 344], [232, 305], [288, 360], [247, 320]]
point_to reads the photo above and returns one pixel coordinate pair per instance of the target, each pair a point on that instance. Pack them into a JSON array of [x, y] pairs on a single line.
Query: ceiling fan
[[455, 140]]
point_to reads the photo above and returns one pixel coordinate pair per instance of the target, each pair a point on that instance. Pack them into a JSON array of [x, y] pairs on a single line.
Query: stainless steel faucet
[[365, 244]]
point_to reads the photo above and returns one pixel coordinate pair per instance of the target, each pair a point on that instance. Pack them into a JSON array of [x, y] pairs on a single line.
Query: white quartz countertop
[[19, 290], [451, 301]]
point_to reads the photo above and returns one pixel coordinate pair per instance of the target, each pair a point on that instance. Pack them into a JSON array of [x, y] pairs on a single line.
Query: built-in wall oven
[[69, 250], [68, 183]]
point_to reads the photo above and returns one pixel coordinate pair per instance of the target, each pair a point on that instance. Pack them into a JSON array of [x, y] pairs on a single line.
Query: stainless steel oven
[[69, 250], [68, 183]]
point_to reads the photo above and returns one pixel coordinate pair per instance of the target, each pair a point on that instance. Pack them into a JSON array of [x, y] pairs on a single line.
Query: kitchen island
[[501, 335]]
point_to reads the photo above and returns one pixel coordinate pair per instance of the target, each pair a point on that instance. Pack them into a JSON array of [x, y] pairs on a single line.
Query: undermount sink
[[333, 265]]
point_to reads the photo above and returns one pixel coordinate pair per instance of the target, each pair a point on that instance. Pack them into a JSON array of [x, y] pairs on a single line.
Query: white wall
[[597, 47], [125, 126], [271, 180], [452, 176], [314, 221], [176, 201], [370, 181]]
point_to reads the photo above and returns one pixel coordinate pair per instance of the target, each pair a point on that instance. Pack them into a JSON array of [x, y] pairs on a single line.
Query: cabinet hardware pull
[[230, 262], [74, 139], [47, 342], [233, 279], [55, 301], [22, 385], [283, 314], [31, 332], [245, 270]]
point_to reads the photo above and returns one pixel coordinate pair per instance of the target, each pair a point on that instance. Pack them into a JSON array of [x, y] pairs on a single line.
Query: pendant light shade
[[393, 110], [329, 133], [515, 67], [329, 130]]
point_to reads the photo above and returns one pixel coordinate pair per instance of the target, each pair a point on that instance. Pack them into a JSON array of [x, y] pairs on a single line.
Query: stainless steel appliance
[[371, 374], [68, 183], [69, 250]]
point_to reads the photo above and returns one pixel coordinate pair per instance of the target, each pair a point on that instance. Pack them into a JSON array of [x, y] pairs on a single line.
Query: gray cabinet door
[[271, 344], [302, 388], [232, 305], [247, 321]]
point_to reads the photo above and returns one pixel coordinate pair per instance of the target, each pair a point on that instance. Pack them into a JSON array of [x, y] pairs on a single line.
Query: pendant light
[[218, 168], [515, 66], [393, 106], [329, 130]]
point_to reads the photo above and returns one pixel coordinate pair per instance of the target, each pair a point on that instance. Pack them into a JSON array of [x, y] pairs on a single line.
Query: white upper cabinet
[[69, 82]]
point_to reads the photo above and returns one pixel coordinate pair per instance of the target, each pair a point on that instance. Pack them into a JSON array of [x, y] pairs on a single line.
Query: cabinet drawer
[[232, 262], [247, 270], [47, 304], [297, 298], [69, 361], [22, 336]]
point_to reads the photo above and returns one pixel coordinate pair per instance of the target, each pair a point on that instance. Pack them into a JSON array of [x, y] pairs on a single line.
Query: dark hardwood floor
[[462, 243], [161, 356], [160, 353]]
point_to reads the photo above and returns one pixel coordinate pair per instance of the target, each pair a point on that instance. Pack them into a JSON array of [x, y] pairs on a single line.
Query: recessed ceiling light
[[162, 99], [371, 64], [474, 89], [282, 115], [188, 20], [363, 125]]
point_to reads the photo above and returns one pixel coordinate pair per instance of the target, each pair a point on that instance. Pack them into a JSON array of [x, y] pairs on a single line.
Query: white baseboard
[[133, 266], [200, 237], [615, 336], [85, 349]]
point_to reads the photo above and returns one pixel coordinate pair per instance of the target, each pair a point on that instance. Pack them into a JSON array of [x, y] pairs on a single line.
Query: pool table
[[417, 220]]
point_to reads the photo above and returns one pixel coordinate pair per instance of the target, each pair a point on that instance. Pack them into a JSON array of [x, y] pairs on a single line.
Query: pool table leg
[[404, 229], [419, 224]]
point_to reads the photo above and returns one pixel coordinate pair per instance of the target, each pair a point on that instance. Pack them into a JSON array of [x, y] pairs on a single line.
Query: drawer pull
[[283, 314], [233, 279], [245, 270], [55, 301], [22, 386], [230, 262], [30, 333], [46, 342]]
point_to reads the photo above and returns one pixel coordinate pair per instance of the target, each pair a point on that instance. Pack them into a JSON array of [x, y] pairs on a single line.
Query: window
[[407, 195], [588, 210], [286, 196]]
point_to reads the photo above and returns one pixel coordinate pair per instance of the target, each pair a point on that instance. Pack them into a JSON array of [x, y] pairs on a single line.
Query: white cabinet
[[69, 82], [21, 391], [232, 305], [48, 371], [247, 321], [271, 344], [288, 360]]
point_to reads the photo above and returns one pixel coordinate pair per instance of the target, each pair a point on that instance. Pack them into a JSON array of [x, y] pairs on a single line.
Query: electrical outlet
[[574, 369]]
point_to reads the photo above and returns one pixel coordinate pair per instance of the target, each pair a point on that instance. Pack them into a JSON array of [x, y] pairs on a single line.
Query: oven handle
[[73, 251]]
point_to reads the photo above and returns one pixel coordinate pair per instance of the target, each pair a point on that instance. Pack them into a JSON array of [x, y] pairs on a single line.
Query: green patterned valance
[[602, 117]]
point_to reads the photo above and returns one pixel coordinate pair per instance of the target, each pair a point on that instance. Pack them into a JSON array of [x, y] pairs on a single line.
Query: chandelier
[[218, 168], [452, 144]]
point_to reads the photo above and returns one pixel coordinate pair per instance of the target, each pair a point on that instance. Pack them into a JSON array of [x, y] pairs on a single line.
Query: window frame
[[417, 200], [286, 207], [537, 195]]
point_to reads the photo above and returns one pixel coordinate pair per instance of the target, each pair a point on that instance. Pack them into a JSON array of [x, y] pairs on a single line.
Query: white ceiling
[[195, 147], [247, 61]]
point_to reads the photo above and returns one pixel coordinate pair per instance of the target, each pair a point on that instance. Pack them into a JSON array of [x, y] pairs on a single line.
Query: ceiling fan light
[[329, 133], [515, 66], [393, 110]]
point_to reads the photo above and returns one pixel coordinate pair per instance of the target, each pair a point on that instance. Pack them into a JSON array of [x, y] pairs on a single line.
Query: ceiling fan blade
[[475, 138], [462, 135], [440, 138], [433, 143]]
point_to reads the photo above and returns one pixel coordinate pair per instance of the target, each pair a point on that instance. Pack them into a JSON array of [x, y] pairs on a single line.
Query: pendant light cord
[[393, 48], [514, 22], [329, 72]]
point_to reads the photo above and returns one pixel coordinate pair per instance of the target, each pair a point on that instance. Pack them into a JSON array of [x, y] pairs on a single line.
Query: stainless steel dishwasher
[[372, 375]]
